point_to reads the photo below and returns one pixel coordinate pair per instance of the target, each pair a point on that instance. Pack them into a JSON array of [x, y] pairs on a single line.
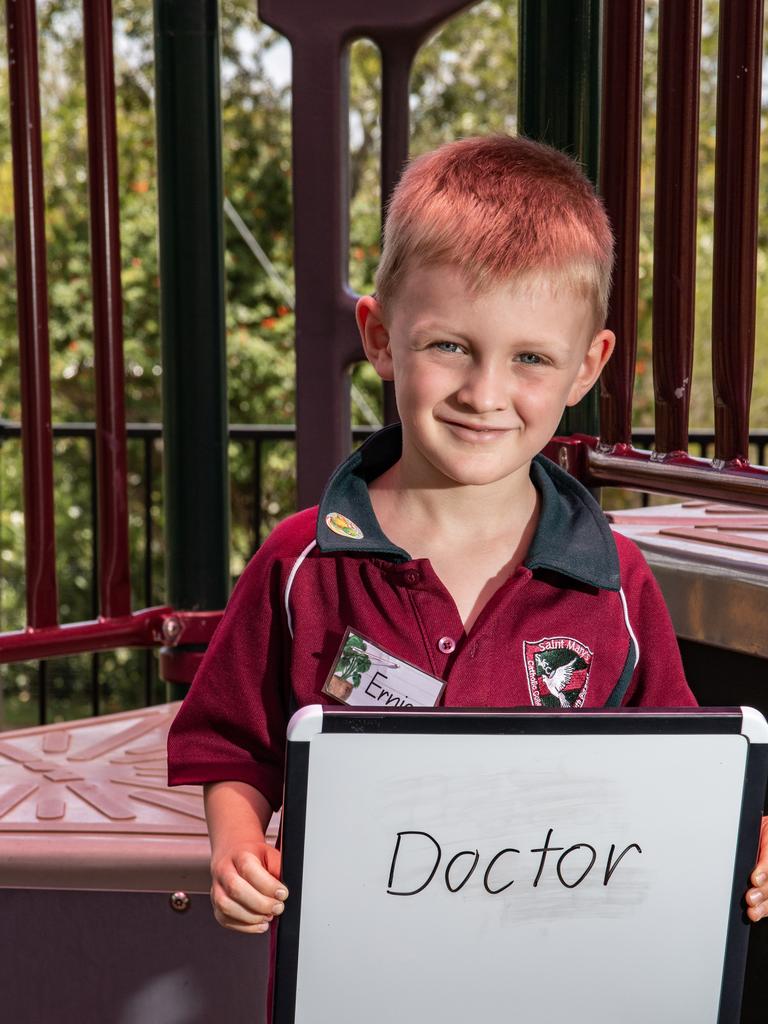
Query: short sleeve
[[232, 723], [658, 679]]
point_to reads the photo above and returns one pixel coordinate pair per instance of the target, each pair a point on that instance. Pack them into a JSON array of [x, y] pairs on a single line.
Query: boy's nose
[[483, 390]]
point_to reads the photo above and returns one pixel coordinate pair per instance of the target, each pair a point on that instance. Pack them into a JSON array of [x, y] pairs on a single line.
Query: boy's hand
[[247, 893], [757, 898]]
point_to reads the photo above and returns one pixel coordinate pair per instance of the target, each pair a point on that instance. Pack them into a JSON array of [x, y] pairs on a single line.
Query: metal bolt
[[563, 458], [171, 629], [179, 901]]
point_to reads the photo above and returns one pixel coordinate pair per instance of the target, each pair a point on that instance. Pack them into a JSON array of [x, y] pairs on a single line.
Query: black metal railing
[[702, 443], [147, 575], [146, 565]]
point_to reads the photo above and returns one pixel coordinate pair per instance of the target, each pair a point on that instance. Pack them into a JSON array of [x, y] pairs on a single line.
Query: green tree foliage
[[256, 125]]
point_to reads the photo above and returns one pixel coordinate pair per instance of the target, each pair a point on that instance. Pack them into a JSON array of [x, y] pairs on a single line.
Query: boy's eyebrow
[[431, 326]]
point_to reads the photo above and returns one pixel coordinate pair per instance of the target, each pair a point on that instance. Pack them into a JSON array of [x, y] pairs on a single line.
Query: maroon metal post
[[674, 234], [147, 628], [326, 336], [620, 187], [735, 232], [29, 208], [113, 559]]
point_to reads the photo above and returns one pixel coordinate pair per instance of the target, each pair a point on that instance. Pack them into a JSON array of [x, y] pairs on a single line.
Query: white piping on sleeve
[[289, 584], [629, 628]]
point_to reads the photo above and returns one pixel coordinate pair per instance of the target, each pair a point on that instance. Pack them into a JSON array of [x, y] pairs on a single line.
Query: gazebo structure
[[83, 808]]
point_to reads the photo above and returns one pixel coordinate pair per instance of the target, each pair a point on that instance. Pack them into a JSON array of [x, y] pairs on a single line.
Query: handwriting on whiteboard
[[420, 853]]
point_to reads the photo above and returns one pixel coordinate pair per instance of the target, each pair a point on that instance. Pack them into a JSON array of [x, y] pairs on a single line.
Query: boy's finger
[[236, 890], [252, 912], [254, 872], [757, 913], [237, 923], [755, 897]]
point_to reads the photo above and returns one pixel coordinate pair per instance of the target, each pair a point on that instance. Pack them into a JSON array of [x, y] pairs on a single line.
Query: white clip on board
[[453, 866]]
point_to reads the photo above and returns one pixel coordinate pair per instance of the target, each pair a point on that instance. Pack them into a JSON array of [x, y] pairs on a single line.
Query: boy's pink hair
[[501, 208]]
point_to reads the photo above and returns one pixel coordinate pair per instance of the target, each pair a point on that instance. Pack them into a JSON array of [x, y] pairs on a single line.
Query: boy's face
[[481, 379]]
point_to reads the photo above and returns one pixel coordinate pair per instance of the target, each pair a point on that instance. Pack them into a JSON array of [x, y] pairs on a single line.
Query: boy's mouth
[[477, 432]]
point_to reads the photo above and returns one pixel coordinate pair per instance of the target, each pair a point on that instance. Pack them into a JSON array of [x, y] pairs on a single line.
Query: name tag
[[364, 675]]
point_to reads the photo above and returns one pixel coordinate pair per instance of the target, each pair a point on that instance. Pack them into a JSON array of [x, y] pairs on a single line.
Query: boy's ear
[[597, 355], [374, 335]]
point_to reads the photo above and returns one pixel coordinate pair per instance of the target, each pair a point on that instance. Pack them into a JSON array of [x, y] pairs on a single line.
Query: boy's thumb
[[273, 861]]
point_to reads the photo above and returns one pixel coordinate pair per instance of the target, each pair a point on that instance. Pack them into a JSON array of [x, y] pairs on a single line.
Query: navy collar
[[573, 537]]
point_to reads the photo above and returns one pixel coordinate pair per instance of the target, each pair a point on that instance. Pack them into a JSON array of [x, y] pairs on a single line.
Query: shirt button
[[411, 577], [446, 645]]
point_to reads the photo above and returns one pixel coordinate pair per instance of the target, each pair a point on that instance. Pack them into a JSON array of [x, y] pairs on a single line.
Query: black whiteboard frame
[[316, 719]]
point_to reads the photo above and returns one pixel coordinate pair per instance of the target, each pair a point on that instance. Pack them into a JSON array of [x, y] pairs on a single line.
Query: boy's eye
[[448, 346], [530, 358]]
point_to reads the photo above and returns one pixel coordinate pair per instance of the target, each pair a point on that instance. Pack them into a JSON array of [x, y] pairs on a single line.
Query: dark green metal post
[[559, 103], [192, 307]]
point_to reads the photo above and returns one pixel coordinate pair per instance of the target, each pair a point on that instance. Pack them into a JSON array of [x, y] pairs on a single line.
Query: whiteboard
[[451, 873]]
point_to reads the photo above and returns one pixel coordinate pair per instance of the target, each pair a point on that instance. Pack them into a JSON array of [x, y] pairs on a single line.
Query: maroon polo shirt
[[583, 610]]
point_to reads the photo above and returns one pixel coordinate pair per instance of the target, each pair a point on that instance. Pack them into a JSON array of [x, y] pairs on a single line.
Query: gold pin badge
[[343, 526]]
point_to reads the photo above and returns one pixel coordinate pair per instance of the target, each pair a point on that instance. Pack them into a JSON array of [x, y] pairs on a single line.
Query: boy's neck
[[475, 537], [407, 505]]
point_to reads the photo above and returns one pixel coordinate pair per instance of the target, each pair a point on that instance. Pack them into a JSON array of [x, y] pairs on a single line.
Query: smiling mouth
[[476, 431]]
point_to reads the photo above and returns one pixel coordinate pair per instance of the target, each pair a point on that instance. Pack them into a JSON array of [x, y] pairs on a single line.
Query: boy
[[447, 540]]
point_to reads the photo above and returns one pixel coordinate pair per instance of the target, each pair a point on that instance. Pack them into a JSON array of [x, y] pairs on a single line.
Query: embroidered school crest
[[557, 668]]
